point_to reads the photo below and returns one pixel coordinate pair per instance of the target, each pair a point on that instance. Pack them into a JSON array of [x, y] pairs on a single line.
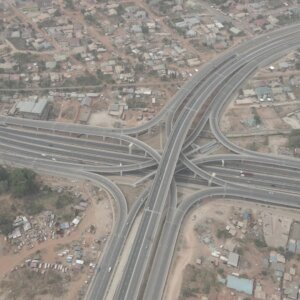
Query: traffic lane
[[76, 141], [252, 174], [8, 152], [110, 259], [77, 129], [53, 146], [32, 149], [156, 286], [172, 155]]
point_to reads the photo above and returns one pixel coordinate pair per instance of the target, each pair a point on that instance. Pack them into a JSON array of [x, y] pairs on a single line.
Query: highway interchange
[[89, 153]]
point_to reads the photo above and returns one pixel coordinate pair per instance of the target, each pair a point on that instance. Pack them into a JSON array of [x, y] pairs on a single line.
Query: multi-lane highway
[[77, 150]]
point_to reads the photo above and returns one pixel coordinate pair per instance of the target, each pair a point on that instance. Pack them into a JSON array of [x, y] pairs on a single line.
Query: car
[[109, 269], [53, 159], [44, 154]]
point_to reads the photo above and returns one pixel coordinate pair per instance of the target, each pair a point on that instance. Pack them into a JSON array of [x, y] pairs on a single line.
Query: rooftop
[[233, 259], [32, 106], [240, 284]]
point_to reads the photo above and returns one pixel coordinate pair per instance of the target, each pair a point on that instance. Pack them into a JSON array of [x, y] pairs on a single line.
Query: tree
[[22, 182], [3, 174], [69, 4], [145, 29], [6, 223]]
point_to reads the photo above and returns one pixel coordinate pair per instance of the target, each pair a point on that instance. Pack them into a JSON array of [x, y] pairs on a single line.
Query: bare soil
[[207, 218], [98, 213]]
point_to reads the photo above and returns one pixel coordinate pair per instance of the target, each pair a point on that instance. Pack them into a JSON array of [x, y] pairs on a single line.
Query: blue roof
[[292, 246], [246, 215], [240, 284], [298, 246]]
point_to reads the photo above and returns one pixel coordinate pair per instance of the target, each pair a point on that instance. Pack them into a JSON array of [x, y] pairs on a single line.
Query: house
[[235, 31], [263, 92], [84, 115], [233, 259], [50, 64], [44, 4]]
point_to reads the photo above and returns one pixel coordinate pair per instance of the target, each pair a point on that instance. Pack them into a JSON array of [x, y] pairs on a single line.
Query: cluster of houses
[[275, 263]]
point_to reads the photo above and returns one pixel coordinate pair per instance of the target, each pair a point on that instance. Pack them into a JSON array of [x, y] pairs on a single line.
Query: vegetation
[[260, 243], [145, 29], [198, 280], [63, 200], [24, 58], [256, 116], [28, 198], [6, 223], [289, 255], [90, 18], [87, 79], [135, 103], [69, 4], [26, 284], [223, 233], [22, 182], [294, 138]]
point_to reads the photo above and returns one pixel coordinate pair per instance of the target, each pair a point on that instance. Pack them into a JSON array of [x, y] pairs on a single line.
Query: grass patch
[[26, 284]]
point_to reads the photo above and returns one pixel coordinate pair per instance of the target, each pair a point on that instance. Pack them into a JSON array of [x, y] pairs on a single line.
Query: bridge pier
[[130, 146], [211, 178]]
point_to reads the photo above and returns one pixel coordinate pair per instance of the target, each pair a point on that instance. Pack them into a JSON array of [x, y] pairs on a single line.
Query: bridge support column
[[130, 146], [211, 178]]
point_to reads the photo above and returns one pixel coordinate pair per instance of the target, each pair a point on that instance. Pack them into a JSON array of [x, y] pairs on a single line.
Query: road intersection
[[105, 151]]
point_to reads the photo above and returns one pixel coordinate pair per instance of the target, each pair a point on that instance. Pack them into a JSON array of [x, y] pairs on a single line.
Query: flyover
[[240, 69], [203, 97]]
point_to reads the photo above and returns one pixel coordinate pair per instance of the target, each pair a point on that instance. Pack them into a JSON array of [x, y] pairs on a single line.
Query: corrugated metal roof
[[39, 106], [32, 106], [240, 284], [233, 259], [25, 106]]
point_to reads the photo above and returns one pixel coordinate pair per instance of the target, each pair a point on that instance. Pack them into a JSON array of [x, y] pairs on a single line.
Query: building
[[31, 109], [264, 93], [240, 284], [84, 115], [233, 259]]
